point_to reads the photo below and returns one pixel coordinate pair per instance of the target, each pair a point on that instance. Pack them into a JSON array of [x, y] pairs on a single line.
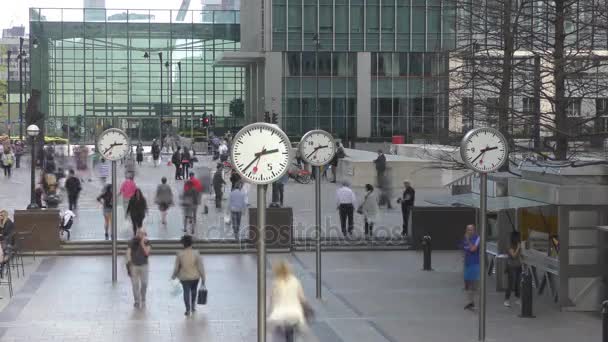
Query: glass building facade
[[393, 48], [97, 68]]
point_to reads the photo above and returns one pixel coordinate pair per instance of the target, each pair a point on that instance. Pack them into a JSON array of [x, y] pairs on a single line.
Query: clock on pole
[[113, 144], [483, 150], [317, 147], [261, 154]]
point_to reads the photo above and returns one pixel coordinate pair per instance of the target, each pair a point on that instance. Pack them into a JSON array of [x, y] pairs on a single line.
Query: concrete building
[[9, 44], [380, 65]]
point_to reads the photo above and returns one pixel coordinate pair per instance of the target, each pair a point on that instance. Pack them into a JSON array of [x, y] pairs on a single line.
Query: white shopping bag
[[176, 288], [227, 217]]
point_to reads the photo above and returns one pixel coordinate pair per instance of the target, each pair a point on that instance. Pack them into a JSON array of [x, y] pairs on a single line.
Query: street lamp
[[33, 131]]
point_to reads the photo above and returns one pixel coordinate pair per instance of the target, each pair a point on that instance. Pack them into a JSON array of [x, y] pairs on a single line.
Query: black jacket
[[218, 180], [412, 196], [380, 163], [176, 158], [72, 185]]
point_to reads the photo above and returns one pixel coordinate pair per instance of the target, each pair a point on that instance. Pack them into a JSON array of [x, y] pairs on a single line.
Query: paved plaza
[[367, 296], [89, 220]]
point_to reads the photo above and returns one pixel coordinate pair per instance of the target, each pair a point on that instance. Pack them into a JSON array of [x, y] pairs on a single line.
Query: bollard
[[605, 321], [426, 250], [526, 294]]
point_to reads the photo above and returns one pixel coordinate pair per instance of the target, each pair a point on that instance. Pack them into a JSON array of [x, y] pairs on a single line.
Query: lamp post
[[160, 57], [32, 132], [179, 70], [21, 56], [8, 89]]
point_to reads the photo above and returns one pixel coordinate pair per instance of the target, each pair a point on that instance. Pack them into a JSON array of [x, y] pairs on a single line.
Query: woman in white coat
[[287, 302], [369, 209]]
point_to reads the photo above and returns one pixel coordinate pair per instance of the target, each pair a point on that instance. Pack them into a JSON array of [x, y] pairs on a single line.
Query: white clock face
[[261, 153], [317, 147], [484, 149], [113, 144]]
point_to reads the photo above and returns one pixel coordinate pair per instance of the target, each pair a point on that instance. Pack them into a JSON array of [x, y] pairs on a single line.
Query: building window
[[601, 113], [468, 118], [573, 109]]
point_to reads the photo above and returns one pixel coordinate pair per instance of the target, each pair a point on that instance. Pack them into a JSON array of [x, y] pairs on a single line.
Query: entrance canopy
[[494, 203], [238, 59]]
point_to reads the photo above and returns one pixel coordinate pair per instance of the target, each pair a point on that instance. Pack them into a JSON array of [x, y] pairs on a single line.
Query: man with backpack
[[73, 187]]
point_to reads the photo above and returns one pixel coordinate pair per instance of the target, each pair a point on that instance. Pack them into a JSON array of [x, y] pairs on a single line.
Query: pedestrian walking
[[186, 162], [198, 187], [237, 203], [139, 154], [369, 209], [189, 269], [106, 200], [155, 153], [382, 182], [103, 171], [407, 203], [164, 199], [471, 265], [513, 269], [335, 160], [73, 188], [189, 204], [8, 159], [223, 150], [235, 179], [138, 253], [137, 210], [281, 187], [346, 201], [19, 149], [218, 186], [176, 160], [127, 190], [288, 302]]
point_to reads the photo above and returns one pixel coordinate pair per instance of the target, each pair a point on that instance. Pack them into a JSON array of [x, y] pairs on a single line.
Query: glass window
[[574, 107], [340, 65], [434, 19], [415, 64], [324, 64], [293, 107], [308, 64], [326, 18], [403, 71], [294, 15], [293, 64], [388, 18], [278, 18], [356, 27]]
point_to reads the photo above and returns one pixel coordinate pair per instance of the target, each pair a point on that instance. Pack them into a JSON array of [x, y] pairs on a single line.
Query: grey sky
[[15, 12]]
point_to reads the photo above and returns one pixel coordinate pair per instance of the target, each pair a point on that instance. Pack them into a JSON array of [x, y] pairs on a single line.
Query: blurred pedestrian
[[369, 209], [235, 179], [223, 151], [189, 269], [127, 190], [106, 199], [190, 199], [137, 210], [155, 152], [513, 268], [139, 153], [237, 203], [407, 203], [19, 149], [7, 229], [73, 188], [471, 265], [103, 171], [340, 154], [281, 187], [287, 313], [164, 199], [8, 159], [346, 201], [138, 253], [186, 162], [176, 160], [218, 186]]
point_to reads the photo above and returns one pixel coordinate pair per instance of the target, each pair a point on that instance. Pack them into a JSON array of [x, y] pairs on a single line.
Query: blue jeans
[[235, 217], [190, 288]]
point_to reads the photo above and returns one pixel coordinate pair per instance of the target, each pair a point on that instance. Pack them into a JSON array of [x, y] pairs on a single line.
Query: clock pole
[[483, 195], [261, 262], [114, 224], [317, 171]]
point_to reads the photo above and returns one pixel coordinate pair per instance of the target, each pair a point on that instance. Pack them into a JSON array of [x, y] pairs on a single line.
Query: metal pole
[[179, 68], [261, 263], [317, 170], [20, 89], [114, 225], [33, 204], [8, 90], [316, 39], [160, 126], [483, 191], [192, 125]]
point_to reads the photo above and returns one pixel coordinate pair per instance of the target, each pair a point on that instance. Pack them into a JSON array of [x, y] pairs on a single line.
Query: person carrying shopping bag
[[137, 266], [189, 269]]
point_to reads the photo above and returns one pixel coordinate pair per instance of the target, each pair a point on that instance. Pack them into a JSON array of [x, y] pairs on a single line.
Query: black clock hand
[[480, 154], [253, 161], [267, 152], [315, 150]]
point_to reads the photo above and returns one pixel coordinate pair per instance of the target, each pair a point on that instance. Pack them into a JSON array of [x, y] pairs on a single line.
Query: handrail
[[457, 181]]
